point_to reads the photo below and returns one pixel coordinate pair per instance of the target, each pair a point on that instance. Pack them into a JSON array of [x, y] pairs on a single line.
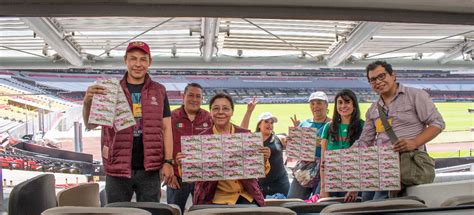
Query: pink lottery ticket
[[213, 175]]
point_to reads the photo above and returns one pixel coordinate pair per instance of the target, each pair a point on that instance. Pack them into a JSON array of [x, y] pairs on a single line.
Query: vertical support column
[[77, 137], [41, 122]]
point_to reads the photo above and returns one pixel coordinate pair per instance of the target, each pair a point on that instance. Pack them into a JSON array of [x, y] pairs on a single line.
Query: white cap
[[320, 95], [267, 115]]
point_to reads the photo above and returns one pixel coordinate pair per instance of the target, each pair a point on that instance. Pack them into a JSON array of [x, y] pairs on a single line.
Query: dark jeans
[[337, 194], [281, 185], [179, 196], [146, 185]]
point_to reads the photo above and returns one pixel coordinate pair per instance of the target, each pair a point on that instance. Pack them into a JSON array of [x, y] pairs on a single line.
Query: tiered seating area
[[20, 101], [6, 125], [270, 86]]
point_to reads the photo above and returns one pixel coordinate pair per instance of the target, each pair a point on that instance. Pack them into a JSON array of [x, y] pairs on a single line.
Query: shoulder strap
[[387, 127]]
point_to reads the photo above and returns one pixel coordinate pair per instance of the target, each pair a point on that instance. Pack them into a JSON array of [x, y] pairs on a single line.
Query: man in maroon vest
[[189, 119], [133, 157]]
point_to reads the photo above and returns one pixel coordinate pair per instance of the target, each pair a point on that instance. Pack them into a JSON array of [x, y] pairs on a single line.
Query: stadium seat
[[247, 211], [303, 207], [459, 200], [200, 207], [68, 210], [81, 195], [430, 192], [103, 197], [279, 202], [33, 196], [154, 208], [402, 197], [373, 206]]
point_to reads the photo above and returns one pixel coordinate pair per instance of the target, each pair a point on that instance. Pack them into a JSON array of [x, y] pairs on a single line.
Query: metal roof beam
[[210, 37], [363, 32], [47, 30], [457, 51]]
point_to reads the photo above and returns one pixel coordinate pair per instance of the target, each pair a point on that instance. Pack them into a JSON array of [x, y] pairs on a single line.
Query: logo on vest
[[153, 101], [205, 124]]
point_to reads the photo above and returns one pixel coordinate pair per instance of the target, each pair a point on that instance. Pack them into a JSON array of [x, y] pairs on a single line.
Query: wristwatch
[[169, 161]]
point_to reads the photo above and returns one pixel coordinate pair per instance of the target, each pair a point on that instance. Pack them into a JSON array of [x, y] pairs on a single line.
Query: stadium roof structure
[[300, 34]]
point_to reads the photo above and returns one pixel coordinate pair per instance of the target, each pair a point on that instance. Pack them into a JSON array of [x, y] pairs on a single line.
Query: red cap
[[139, 45]]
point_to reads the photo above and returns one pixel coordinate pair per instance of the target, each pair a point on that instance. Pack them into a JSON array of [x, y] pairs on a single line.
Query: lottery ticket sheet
[[111, 109], [222, 157], [374, 168], [301, 143]]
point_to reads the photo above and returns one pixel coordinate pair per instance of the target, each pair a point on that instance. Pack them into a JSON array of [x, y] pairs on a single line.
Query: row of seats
[[84, 198], [17, 160]]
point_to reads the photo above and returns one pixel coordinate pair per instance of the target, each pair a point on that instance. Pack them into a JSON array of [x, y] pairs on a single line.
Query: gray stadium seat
[[430, 192], [459, 200], [154, 208], [246, 211], [33, 196], [371, 206], [94, 211], [103, 197], [81, 195], [279, 202], [200, 207], [303, 207]]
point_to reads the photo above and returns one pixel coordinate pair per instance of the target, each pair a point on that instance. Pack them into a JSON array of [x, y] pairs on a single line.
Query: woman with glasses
[[244, 191], [341, 133]]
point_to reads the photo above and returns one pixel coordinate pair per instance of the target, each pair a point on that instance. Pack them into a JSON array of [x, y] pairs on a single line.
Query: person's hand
[[266, 152], [179, 157], [92, 90], [166, 173], [351, 196], [295, 121], [174, 183], [405, 145], [251, 105]]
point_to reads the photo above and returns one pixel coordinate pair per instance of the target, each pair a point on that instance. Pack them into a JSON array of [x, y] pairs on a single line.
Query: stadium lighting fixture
[[319, 58], [302, 55], [468, 56], [418, 56], [174, 50], [459, 50], [351, 59], [45, 49]]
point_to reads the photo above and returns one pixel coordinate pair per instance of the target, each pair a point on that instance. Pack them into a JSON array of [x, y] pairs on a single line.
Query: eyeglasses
[[379, 77], [223, 109]]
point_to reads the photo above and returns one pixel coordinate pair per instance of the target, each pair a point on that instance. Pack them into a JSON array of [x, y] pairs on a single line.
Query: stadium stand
[[268, 86]]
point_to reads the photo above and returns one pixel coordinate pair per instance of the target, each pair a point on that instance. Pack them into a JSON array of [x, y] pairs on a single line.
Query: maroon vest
[[182, 126], [204, 190], [119, 160]]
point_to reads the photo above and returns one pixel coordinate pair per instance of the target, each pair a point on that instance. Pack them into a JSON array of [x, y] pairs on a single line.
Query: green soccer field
[[455, 115]]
